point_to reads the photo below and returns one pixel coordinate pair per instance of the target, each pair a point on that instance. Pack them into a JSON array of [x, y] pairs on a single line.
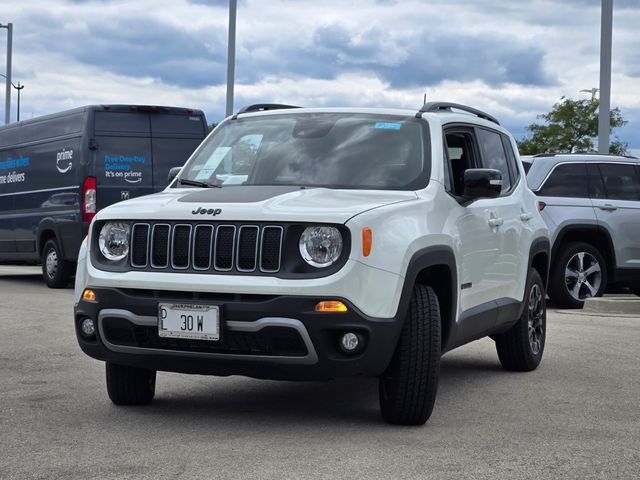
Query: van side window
[[493, 155]]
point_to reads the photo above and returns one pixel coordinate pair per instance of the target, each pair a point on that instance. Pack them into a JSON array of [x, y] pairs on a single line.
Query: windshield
[[326, 149]]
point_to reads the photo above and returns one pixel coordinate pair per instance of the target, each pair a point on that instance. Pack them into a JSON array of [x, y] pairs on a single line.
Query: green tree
[[570, 127]]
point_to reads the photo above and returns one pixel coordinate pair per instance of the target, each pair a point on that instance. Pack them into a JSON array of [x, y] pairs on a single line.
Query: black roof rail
[[447, 106], [263, 107]]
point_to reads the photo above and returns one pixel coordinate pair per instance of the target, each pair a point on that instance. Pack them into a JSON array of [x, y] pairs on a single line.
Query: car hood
[[254, 203]]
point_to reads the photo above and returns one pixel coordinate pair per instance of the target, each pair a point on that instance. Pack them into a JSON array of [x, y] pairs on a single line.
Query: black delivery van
[[57, 171]]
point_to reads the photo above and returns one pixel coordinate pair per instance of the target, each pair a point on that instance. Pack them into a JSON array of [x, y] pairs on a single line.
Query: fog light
[[88, 328], [349, 342]]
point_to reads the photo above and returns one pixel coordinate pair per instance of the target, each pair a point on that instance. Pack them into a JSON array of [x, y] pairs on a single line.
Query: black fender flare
[[429, 257], [541, 245], [581, 228]]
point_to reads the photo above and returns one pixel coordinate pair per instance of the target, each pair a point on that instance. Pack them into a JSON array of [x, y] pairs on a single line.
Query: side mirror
[[173, 173], [482, 183]]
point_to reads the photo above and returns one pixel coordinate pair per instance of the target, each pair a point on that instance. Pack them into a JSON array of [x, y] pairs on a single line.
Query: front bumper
[[263, 336]]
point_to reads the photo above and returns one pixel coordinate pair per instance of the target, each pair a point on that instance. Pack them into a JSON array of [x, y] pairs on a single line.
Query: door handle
[[608, 207], [526, 216], [495, 222]]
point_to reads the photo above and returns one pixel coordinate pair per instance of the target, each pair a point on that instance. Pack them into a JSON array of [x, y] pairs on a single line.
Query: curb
[[613, 305]]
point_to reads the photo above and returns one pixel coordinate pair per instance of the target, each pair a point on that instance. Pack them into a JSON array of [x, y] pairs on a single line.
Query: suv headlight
[[320, 246], [113, 241]]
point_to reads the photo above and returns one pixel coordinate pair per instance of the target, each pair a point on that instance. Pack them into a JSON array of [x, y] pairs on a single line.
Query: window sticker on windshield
[[212, 163], [387, 125]]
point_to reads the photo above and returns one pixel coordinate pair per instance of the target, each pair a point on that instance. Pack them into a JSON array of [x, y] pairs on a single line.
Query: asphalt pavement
[[576, 416]]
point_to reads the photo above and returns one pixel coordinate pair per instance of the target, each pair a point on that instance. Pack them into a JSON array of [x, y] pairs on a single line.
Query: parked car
[[308, 244], [57, 171], [591, 204]]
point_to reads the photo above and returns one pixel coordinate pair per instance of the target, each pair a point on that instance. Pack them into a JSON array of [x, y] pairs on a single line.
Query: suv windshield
[[314, 149]]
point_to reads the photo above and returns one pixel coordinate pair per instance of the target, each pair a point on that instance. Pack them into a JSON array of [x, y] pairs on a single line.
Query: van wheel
[[130, 385], [408, 387], [55, 270], [521, 347], [579, 273]]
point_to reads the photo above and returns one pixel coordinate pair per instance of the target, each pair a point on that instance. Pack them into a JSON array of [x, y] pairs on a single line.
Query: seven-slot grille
[[206, 247]]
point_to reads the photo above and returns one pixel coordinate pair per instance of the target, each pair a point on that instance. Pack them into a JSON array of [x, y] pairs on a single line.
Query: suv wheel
[[521, 347], [56, 271], [408, 387], [130, 385], [580, 272]]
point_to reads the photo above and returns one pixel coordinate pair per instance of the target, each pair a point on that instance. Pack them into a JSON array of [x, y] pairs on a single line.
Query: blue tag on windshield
[[387, 125]]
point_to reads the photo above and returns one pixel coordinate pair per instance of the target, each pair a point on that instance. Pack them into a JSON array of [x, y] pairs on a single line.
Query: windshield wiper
[[196, 183]]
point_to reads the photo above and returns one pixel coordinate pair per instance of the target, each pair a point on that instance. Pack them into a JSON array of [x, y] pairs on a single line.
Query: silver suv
[[591, 204]]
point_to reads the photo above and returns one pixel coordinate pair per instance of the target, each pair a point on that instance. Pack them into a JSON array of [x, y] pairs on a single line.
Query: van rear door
[[174, 137], [123, 158]]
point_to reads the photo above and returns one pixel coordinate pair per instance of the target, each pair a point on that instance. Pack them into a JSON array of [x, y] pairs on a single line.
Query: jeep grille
[[206, 247]]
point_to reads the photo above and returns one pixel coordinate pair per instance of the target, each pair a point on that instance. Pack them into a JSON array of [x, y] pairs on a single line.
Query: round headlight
[[114, 241], [320, 246]]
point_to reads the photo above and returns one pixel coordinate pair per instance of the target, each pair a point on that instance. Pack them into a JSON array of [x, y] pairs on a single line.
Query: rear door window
[[621, 182], [568, 180], [494, 156]]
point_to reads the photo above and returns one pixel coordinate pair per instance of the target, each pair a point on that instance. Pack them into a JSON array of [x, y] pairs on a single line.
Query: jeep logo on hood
[[207, 211]]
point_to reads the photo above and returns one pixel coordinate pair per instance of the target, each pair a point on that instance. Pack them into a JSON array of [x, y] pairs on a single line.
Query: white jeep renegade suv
[[319, 243]]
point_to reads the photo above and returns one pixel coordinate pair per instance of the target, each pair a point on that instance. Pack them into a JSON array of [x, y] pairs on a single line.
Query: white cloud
[[71, 53]]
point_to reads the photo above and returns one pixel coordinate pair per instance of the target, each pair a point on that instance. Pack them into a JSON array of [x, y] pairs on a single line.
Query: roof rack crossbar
[[447, 106], [262, 107], [553, 154]]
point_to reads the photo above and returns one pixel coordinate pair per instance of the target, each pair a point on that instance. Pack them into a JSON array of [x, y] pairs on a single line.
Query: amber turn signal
[[89, 295], [332, 306], [367, 240]]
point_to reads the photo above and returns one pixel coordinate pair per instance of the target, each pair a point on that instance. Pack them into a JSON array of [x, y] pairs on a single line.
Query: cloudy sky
[[514, 59]]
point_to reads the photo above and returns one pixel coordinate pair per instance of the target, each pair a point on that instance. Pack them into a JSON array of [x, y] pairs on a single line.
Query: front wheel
[[130, 385], [521, 347], [408, 387]]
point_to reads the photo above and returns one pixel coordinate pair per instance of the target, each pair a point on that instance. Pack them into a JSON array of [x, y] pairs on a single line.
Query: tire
[[569, 287], [56, 271], [408, 387], [520, 349], [130, 385]]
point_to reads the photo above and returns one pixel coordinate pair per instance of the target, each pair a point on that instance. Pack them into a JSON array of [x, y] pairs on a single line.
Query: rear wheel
[[56, 271], [130, 385], [409, 385], [579, 273], [521, 347]]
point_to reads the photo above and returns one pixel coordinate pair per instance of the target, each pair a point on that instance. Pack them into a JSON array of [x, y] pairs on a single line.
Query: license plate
[[196, 322]]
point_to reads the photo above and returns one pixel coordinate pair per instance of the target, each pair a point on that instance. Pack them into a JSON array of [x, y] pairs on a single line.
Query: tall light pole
[[231, 55], [606, 27], [7, 104], [18, 88]]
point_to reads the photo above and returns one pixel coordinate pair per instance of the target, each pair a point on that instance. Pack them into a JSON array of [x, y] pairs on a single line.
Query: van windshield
[[314, 149]]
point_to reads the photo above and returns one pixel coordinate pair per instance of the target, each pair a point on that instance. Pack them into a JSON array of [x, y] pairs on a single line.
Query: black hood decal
[[238, 194]]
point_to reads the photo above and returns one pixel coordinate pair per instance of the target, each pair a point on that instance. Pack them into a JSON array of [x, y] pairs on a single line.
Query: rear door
[[619, 210], [174, 137], [123, 157]]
